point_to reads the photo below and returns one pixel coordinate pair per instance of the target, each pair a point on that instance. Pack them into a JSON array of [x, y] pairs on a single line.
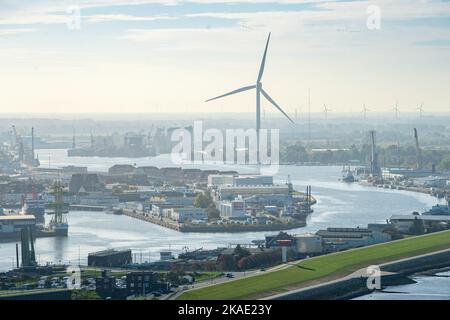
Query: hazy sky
[[169, 56]]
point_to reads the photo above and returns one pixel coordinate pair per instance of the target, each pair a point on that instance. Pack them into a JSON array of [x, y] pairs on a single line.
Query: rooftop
[[17, 217]]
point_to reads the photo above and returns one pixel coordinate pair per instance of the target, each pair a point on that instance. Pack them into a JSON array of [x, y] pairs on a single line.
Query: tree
[[417, 227], [212, 212], [202, 201], [445, 163]]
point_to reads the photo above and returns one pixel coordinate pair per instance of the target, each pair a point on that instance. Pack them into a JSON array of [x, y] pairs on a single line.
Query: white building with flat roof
[[232, 209], [216, 180], [10, 224]]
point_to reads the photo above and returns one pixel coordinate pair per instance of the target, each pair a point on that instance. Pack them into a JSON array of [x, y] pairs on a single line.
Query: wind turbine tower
[[396, 109], [364, 111], [259, 91], [420, 110], [325, 111]]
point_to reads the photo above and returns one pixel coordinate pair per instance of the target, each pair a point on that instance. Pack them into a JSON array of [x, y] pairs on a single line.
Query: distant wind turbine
[[396, 109], [420, 109], [259, 91], [325, 111], [364, 111]]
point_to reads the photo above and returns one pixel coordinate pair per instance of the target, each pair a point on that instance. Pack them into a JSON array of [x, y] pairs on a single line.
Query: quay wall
[[216, 228]]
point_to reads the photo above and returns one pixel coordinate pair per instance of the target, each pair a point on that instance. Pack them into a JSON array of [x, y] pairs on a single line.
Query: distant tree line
[[390, 156]]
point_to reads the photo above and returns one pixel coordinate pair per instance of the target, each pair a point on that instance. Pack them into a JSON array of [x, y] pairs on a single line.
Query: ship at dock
[[58, 225], [347, 175]]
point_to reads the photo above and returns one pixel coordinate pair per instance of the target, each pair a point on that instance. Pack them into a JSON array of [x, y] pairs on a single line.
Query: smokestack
[[17, 255]]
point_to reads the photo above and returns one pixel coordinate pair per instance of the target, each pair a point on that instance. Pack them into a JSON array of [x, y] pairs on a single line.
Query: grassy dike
[[320, 269]]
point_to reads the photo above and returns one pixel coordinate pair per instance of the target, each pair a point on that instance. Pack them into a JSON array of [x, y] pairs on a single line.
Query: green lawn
[[203, 276], [330, 266]]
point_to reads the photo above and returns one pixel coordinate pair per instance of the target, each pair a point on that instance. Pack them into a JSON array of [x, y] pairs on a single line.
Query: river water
[[426, 288], [339, 204]]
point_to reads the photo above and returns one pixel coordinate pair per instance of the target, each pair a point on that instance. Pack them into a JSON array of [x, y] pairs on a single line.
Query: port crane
[[418, 150], [374, 167], [18, 144]]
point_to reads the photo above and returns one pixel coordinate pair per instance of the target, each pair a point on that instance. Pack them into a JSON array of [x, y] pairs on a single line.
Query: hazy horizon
[[166, 56]]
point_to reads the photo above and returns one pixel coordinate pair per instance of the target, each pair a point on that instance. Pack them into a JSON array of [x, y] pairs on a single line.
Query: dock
[[215, 228]]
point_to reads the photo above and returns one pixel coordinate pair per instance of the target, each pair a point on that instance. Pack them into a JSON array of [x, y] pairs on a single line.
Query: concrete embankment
[[354, 285]]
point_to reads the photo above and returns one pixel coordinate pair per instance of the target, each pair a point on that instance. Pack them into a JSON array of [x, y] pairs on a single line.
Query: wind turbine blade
[[233, 92], [266, 95], [263, 61]]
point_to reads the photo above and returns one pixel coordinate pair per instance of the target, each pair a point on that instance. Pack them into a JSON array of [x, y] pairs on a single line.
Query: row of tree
[[390, 156]]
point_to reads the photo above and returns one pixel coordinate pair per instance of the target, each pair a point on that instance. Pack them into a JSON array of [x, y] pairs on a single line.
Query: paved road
[[236, 276]]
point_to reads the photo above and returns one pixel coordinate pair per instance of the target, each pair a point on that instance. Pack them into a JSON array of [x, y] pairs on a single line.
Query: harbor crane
[[418, 150], [374, 167], [18, 144]]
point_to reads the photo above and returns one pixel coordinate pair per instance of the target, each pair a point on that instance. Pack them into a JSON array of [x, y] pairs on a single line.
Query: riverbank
[[392, 274], [322, 269]]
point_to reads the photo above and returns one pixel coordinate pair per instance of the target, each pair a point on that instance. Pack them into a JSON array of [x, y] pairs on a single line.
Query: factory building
[[336, 239], [85, 182], [252, 180], [404, 223], [119, 169], [234, 209], [10, 225], [231, 192], [188, 214], [216, 180], [308, 244], [278, 200], [102, 199], [109, 258]]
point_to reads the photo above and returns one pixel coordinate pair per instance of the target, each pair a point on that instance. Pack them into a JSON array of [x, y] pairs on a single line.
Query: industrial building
[[109, 258], [216, 180], [252, 180], [231, 192], [330, 239], [188, 214], [10, 225], [85, 182], [308, 244], [337, 239], [233, 209], [404, 223]]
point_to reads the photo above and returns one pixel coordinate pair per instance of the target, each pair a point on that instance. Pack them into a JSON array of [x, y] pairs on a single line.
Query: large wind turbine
[[420, 109], [396, 109], [259, 91], [364, 111], [325, 111]]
